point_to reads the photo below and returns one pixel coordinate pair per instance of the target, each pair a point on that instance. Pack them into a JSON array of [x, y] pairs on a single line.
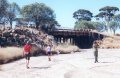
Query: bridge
[[83, 38]]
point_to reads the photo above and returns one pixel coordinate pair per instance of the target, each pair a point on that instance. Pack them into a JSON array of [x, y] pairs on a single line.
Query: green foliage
[[12, 11], [41, 14], [90, 25], [109, 9], [117, 18], [84, 25], [99, 26], [107, 12], [3, 8], [82, 14], [114, 26], [101, 14]]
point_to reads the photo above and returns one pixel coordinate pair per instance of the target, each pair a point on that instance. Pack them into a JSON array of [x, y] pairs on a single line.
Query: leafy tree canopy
[[109, 9], [114, 26], [3, 8], [39, 13], [99, 26], [117, 18], [82, 14], [107, 12], [12, 10], [84, 25]]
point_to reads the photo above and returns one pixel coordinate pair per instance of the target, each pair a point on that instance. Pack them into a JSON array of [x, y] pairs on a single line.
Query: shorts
[[49, 53], [27, 56]]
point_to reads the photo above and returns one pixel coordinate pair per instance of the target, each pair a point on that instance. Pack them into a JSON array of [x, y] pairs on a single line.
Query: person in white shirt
[[49, 52]]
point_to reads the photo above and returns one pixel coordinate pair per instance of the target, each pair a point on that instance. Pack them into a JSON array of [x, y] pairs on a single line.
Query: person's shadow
[[105, 62], [40, 67]]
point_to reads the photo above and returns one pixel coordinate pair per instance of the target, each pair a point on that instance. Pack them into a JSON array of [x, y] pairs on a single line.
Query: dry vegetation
[[110, 42], [9, 54], [14, 53], [65, 48]]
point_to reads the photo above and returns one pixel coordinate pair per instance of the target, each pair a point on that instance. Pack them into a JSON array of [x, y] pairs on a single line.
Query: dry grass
[[14, 53], [110, 43], [65, 48], [9, 54]]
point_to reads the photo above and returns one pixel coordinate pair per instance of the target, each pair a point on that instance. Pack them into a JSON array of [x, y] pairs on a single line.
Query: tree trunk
[[37, 24], [4, 25], [11, 24], [114, 32], [107, 27]]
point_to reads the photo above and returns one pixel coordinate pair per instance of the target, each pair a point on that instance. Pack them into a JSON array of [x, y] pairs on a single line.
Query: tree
[[100, 15], [84, 25], [100, 26], [82, 14], [12, 11], [117, 18], [39, 13], [3, 7], [114, 26], [3, 11], [109, 12]]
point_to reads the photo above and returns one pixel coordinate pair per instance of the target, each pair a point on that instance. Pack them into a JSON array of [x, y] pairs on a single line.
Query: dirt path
[[77, 65]]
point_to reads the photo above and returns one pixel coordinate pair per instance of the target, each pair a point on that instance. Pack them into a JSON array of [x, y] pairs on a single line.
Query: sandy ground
[[75, 65]]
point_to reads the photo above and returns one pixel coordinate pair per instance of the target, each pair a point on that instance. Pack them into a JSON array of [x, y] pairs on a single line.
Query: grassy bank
[[10, 54]]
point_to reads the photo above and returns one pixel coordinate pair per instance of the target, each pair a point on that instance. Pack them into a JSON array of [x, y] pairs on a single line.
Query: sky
[[64, 9]]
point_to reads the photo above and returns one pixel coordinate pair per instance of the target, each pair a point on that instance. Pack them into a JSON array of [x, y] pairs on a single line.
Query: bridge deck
[[69, 32]]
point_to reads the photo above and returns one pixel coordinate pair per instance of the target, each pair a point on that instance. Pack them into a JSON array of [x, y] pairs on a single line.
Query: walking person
[[26, 53], [49, 52], [95, 46]]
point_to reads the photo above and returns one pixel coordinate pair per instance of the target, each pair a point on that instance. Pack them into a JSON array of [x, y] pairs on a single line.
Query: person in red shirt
[[26, 53]]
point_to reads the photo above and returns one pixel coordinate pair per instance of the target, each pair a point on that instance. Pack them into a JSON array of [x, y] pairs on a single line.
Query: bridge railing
[[71, 32]]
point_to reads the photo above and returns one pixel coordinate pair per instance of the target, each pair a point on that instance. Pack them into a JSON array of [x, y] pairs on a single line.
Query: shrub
[[65, 48]]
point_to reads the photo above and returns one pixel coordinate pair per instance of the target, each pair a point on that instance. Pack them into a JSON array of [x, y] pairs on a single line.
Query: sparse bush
[[65, 48]]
